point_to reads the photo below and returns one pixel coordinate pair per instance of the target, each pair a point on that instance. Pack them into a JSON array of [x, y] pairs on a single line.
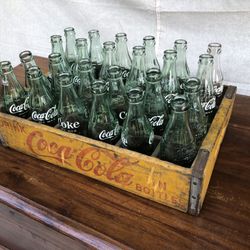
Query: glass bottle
[[86, 75], [73, 116], [122, 55], [150, 56], [182, 69], [109, 59], [155, 107], [170, 83], [204, 73], [42, 103], [103, 125], [57, 47], [27, 61], [214, 49], [118, 99], [70, 51], [197, 117], [178, 143], [137, 132], [137, 74], [95, 52], [15, 98], [56, 66]]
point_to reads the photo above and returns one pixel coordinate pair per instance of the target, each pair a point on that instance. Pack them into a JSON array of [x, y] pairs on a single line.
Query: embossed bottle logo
[[210, 105], [15, 109], [157, 120], [47, 116], [104, 135]]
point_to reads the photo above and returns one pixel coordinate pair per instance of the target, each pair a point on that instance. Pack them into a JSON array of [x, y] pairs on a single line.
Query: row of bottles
[[89, 93]]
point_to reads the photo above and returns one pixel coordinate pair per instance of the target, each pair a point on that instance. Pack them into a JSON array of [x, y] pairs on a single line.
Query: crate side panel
[[127, 171]]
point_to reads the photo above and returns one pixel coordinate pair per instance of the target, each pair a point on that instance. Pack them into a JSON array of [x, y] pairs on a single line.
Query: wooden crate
[[164, 182]]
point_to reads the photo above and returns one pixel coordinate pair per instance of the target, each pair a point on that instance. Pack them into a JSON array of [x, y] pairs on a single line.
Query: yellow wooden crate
[[164, 182]]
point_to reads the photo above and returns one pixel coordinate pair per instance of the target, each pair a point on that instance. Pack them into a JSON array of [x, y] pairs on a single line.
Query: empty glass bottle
[[204, 73], [73, 116], [170, 83], [95, 52], [86, 75], [42, 103], [118, 99], [27, 61], [71, 53], [56, 66], [57, 47], [122, 55], [178, 143], [197, 117], [137, 132], [150, 56], [182, 69], [214, 49], [137, 74], [155, 107], [109, 59], [15, 98], [103, 125]]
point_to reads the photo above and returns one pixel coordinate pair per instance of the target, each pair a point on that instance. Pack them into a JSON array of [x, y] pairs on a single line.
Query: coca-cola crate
[[147, 176]]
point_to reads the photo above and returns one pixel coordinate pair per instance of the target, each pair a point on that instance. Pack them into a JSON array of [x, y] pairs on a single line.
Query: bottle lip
[[121, 35], [169, 53], [84, 64], [153, 75], [55, 38], [135, 95], [179, 103], [5, 67], [81, 41], [93, 32], [138, 49], [34, 72], [25, 56], [69, 29], [114, 71], [206, 59], [149, 38], [215, 45], [109, 45], [180, 41], [192, 85], [64, 79], [55, 57], [99, 87]]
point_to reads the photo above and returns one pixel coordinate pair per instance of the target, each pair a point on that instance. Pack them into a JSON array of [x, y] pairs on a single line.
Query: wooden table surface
[[46, 207]]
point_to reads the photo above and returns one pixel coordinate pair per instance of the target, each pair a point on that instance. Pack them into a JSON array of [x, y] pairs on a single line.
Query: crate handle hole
[[193, 197], [194, 183]]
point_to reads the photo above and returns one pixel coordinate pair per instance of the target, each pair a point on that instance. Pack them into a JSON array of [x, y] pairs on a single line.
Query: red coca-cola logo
[[87, 160]]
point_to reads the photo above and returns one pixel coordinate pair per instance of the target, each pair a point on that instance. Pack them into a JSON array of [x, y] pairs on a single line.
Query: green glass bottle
[[73, 116], [70, 51], [204, 73], [95, 52], [56, 66], [27, 61], [170, 83], [137, 132], [197, 117], [137, 74], [155, 106], [118, 99], [150, 56], [103, 125], [42, 103], [182, 69], [15, 98], [86, 75], [109, 59], [214, 49], [178, 143], [122, 55]]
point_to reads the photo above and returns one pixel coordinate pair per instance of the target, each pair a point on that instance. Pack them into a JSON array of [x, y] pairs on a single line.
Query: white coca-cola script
[[14, 109], [69, 125], [157, 120], [210, 105], [47, 116], [104, 135]]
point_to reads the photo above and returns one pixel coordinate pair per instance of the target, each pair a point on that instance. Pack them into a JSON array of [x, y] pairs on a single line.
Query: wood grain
[[117, 217]]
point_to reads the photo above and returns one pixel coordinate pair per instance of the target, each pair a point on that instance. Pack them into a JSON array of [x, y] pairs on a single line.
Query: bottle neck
[[205, 72], [10, 81], [135, 110], [68, 98], [38, 86], [122, 54], [82, 53], [153, 88], [138, 62], [194, 98], [180, 119], [169, 68], [86, 76], [181, 64], [71, 53], [109, 57], [95, 52]]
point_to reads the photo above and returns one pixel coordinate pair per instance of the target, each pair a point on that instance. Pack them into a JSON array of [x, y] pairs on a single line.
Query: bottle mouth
[[206, 58], [84, 64], [25, 56], [109, 45], [65, 79], [55, 38], [114, 71], [149, 40], [55, 58], [192, 85], [170, 53], [180, 41], [34, 72], [135, 95], [153, 75], [121, 36], [214, 45], [179, 103], [69, 29], [99, 87], [81, 42], [5, 67], [93, 33], [138, 50]]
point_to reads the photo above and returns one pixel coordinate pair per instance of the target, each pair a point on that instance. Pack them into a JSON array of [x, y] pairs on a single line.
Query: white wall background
[[28, 24]]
